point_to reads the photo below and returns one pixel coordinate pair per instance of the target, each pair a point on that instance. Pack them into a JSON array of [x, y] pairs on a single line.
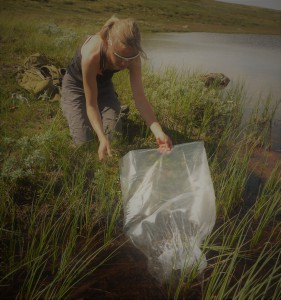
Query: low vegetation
[[61, 211]]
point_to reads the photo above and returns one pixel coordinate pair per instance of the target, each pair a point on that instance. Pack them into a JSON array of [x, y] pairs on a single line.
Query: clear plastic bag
[[169, 206]]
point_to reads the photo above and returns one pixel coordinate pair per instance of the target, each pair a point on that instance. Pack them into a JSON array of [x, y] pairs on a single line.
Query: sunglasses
[[125, 58]]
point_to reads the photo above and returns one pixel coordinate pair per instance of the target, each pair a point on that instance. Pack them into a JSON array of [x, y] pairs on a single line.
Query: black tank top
[[75, 70]]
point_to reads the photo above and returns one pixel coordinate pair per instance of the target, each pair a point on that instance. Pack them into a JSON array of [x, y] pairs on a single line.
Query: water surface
[[271, 4], [253, 59]]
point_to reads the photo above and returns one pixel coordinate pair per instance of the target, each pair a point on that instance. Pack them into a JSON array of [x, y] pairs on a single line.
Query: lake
[[252, 59], [271, 4]]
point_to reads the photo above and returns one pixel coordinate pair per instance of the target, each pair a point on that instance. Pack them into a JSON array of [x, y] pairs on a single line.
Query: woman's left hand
[[164, 142]]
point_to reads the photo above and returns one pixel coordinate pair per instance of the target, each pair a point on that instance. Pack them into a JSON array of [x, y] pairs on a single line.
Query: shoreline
[[263, 162]]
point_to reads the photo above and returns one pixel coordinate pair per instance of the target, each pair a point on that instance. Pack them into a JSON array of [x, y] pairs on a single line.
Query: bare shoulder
[[90, 51]]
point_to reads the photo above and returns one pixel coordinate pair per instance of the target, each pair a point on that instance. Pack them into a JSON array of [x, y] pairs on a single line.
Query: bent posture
[[89, 101]]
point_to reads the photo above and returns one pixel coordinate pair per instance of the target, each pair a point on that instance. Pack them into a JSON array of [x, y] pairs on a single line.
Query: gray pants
[[73, 104]]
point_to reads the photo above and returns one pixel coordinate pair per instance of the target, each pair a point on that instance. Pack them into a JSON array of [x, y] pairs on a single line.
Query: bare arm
[[141, 101], [90, 67], [145, 109]]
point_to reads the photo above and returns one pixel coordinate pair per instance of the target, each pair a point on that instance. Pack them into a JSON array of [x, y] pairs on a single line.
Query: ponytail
[[104, 33]]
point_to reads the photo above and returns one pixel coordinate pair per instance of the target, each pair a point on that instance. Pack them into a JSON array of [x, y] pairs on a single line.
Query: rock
[[215, 79]]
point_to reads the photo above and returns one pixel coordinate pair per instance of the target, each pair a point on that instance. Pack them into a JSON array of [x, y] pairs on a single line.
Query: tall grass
[[236, 249], [61, 209], [63, 214]]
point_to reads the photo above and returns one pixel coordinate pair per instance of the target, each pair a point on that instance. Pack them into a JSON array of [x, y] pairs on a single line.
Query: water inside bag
[[169, 206]]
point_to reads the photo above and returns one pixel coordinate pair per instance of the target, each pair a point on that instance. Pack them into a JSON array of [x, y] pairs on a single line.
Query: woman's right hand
[[104, 149]]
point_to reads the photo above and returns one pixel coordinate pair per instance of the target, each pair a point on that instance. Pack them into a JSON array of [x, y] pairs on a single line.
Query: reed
[[61, 209]]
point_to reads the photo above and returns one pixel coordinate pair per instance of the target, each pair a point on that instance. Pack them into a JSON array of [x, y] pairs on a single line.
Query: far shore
[[152, 16]]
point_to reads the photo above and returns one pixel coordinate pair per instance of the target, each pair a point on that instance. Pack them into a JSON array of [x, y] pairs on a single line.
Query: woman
[[89, 101]]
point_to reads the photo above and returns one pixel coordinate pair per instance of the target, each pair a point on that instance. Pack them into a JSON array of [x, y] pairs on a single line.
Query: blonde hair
[[124, 31]]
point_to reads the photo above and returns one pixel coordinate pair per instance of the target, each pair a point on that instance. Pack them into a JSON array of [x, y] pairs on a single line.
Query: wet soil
[[261, 165], [126, 277], [263, 162]]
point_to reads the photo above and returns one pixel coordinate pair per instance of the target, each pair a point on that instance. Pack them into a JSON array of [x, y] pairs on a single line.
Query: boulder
[[215, 79]]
